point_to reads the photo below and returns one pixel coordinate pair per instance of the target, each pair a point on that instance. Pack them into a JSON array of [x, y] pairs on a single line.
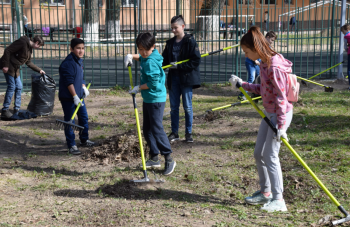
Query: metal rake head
[[328, 89], [69, 125]]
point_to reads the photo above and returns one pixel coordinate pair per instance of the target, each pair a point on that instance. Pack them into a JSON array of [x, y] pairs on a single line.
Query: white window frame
[[5, 3], [9, 3], [51, 3], [100, 6], [128, 4]]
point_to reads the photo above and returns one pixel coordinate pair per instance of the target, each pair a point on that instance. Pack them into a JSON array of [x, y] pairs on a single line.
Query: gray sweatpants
[[266, 157]]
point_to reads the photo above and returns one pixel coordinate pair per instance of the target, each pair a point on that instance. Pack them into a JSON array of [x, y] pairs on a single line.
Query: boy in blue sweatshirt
[[153, 92], [71, 89]]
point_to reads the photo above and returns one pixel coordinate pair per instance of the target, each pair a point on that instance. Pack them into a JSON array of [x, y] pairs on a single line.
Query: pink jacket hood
[[280, 62]]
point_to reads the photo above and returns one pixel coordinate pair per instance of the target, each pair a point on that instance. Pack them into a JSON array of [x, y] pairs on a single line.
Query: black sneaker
[[88, 143], [189, 138], [173, 137], [6, 114], [15, 111], [74, 150], [242, 98], [151, 164], [169, 167]]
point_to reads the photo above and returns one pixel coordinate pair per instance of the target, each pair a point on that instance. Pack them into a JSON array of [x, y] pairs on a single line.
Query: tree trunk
[[113, 19], [91, 26], [15, 21], [179, 7], [208, 23]]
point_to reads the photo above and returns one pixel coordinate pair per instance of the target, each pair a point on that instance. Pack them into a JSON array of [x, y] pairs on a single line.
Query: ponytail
[[256, 41], [178, 19]]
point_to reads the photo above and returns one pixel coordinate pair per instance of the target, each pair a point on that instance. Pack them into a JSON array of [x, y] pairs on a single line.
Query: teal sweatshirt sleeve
[[153, 73]]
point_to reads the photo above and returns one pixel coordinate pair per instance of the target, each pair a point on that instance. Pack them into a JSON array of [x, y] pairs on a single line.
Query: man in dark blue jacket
[[71, 89]]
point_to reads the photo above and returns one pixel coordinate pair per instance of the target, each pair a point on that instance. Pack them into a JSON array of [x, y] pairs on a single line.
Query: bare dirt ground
[[42, 185]]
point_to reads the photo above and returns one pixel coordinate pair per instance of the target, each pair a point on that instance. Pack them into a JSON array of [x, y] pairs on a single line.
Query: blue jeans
[[153, 128], [14, 86], [253, 71], [267, 25], [174, 95], [68, 110], [349, 67]]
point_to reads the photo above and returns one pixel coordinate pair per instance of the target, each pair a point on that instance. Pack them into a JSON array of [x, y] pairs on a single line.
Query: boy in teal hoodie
[[153, 92]]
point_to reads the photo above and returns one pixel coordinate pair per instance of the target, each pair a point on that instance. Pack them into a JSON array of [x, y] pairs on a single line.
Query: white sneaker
[[88, 143], [275, 205], [74, 150]]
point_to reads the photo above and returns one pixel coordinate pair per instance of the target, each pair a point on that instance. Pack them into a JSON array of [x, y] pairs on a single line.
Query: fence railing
[[109, 32]]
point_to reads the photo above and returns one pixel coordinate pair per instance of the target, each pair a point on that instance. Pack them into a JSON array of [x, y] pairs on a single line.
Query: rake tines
[[69, 125], [328, 89]]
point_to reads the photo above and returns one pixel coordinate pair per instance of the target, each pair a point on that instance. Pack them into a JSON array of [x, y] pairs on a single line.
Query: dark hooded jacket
[[17, 54], [188, 71]]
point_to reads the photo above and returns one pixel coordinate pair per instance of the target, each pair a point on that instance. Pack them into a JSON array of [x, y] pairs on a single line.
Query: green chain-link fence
[[109, 29]]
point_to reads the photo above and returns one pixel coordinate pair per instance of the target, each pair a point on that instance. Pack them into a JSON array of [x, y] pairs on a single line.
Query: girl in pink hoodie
[[274, 69], [345, 29]]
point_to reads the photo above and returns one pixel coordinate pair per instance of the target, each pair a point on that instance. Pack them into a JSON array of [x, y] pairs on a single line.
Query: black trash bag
[[43, 95]]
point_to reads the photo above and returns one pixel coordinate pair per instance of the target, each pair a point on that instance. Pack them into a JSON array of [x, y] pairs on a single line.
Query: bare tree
[[16, 8], [91, 26], [113, 19], [209, 19]]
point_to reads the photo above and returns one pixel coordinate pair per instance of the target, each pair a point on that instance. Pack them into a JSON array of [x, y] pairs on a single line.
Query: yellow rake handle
[[334, 200], [311, 81], [130, 77], [137, 122], [76, 109], [245, 101], [326, 70], [203, 55]]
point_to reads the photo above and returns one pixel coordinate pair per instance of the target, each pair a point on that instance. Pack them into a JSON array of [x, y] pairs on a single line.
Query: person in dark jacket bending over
[[15, 55], [71, 89], [182, 78]]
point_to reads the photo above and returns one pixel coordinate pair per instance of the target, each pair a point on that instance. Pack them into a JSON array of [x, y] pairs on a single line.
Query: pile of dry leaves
[[124, 147]]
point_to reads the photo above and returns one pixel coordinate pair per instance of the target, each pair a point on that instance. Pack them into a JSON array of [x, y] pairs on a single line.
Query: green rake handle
[[334, 200], [76, 109], [203, 55]]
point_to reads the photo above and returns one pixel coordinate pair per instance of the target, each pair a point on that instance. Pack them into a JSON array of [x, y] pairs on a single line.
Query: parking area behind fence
[[308, 33]]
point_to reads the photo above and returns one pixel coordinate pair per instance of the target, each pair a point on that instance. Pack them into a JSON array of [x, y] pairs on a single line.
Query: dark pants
[[349, 67], [68, 110], [292, 27], [153, 129]]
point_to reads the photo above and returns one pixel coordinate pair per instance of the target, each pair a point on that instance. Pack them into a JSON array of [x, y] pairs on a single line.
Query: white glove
[[234, 79], [281, 133], [128, 60], [174, 65], [134, 90], [77, 100], [86, 92]]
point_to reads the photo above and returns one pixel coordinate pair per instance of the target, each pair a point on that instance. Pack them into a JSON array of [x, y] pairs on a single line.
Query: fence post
[[341, 41], [19, 25]]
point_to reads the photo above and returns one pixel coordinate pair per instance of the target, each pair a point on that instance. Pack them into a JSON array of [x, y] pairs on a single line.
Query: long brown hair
[[256, 41]]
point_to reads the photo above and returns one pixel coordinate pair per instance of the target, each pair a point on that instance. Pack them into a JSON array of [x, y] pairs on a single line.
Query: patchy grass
[[42, 185]]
